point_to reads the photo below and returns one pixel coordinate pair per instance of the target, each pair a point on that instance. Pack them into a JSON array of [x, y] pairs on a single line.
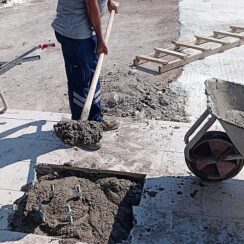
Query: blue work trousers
[[80, 60]]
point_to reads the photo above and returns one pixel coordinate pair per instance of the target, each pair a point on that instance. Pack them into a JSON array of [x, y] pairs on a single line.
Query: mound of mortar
[[235, 117], [135, 97], [79, 133], [103, 213]]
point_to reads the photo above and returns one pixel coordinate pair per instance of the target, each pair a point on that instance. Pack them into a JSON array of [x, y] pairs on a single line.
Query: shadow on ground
[[25, 147], [187, 210]]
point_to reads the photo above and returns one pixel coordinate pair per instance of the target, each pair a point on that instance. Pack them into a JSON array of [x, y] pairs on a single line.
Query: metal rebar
[[41, 210], [69, 214], [52, 191], [78, 192]]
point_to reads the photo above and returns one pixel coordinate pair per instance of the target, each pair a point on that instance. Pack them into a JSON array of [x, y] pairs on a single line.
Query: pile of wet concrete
[[79, 133], [127, 95], [101, 210]]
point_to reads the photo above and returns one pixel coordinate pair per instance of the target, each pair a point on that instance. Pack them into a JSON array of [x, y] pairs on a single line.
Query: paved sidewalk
[[175, 207]]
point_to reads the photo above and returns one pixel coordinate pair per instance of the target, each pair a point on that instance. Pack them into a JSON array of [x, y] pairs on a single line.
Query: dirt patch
[[79, 133], [101, 212], [139, 99]]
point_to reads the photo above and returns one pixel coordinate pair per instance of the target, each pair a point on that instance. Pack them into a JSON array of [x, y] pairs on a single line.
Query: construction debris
[[105, 215]]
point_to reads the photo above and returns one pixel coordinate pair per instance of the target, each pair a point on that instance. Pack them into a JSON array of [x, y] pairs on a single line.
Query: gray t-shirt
[[72, 20]]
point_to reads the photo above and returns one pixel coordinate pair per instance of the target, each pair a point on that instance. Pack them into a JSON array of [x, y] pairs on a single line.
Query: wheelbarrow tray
[[222, 98]]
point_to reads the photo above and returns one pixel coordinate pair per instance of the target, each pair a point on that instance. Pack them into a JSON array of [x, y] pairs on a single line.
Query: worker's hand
[[102, 47], [112, 5]]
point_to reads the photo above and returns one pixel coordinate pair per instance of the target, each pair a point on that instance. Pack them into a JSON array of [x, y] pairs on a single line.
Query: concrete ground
[[176, 207], [172, 198], [211, 15]]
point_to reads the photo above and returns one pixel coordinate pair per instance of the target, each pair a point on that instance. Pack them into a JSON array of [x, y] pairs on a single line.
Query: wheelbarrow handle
[[16, 61], [26, 59], [191, 143], [195, 126], [46, 45], [9, 65]]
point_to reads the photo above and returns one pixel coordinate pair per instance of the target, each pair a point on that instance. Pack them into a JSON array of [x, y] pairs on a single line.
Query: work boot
[[109, 125]]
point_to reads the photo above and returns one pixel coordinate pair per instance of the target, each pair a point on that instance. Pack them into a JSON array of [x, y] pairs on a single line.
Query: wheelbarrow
[[218, 155], [6, 66]]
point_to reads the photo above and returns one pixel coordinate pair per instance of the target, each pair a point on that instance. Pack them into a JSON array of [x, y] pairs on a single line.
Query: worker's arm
[[94, 16]]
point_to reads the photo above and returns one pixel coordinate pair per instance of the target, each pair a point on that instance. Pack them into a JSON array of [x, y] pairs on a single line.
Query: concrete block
[[174, 164], [176, 227], [7, 199], [138, 136], [33, 115], [224, 199], [16, 174], [129, 160], [11, 128], [10, 237], [177, 143], [166, 193]]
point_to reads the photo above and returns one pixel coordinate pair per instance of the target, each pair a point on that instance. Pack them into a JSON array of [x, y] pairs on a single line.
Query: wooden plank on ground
[[211, 39], [151, 59], [225, 33], [179, 44], [170, 52], [45, 169], [234, 27]]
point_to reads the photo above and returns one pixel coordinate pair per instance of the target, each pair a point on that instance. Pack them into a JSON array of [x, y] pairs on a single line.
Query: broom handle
[[87, 106]]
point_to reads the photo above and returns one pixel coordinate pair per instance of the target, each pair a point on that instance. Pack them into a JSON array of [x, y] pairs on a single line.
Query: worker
[[78, 29]]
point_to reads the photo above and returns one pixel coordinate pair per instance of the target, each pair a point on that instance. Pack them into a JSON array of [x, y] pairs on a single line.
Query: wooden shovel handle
[[87, 106]]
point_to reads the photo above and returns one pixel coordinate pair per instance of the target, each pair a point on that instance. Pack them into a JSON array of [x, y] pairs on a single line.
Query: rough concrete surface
[[138, 28], [211, 15], [79, 133], [7, 3], [101, 214], [235, 117], [150, 146], [224, 98], [10, 237], [155, 148]]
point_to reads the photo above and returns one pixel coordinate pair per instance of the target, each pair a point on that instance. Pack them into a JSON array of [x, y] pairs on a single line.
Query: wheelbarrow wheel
[[205, 158]]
